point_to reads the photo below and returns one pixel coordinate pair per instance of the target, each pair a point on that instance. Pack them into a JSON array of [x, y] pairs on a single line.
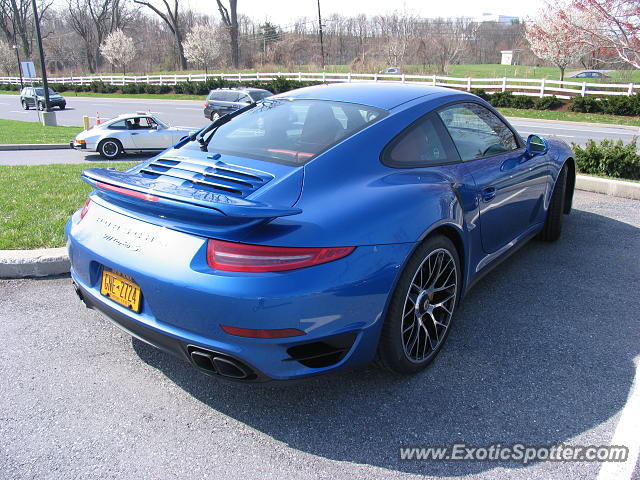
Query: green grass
[[15, 131], [36, 202], [571, 116]]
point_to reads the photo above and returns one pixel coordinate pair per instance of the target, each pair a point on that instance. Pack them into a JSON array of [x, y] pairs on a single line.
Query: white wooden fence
[[518, 86]]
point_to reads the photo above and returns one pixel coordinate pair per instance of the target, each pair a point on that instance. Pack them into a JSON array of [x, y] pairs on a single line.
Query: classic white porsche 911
[[130, 133]]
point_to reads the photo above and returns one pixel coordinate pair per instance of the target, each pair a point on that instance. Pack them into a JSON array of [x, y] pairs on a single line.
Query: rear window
[[260, 94], [291, 131]]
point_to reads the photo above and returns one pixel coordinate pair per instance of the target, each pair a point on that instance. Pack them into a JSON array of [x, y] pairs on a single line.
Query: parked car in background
[[590, 74], [391, 70], [130, 133], [221, 101], [34, 97], [317, 229]]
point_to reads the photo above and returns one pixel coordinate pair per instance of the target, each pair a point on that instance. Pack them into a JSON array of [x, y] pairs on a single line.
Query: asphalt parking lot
[[542, 352]]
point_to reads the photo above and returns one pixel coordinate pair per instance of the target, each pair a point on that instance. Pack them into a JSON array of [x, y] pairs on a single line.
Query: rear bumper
[[339, 305]]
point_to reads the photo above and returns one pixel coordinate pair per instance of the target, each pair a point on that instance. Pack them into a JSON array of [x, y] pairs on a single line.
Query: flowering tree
[[118, 49], [7, 57], [551, 40], [201, 46], [611, 24]]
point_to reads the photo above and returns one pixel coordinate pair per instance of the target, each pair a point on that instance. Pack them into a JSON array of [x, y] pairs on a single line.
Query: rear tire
[[214, 116], [553, 223], [110, 148], [422, 306]]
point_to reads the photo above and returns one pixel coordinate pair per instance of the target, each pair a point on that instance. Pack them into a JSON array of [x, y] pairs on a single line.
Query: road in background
[[190, 113], [541, 351]]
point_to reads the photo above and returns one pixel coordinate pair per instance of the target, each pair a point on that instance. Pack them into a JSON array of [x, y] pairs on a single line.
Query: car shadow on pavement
[[542, 351]]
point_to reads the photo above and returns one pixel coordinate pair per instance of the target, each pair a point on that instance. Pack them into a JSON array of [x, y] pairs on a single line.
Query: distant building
[[490, 17], [510, 57]]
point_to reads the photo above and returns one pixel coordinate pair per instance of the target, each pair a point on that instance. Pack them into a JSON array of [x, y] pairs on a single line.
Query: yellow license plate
[[121, 289]]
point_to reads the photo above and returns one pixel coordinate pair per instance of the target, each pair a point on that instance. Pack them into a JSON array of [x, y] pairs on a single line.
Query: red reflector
[[240, 257], [126, 191], [260, 333], [85, 209]]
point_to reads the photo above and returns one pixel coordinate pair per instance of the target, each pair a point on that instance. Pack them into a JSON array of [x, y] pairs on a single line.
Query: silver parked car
[[131, 133]]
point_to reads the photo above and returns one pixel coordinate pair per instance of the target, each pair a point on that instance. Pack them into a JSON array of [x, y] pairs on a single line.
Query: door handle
[[488, 194], [134, 134]]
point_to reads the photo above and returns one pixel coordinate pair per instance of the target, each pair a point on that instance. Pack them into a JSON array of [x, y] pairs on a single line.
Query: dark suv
[[221, 101], [34, 97]]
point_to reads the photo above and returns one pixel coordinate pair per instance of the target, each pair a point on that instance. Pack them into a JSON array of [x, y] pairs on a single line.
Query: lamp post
[[48, 117], [16, 46]]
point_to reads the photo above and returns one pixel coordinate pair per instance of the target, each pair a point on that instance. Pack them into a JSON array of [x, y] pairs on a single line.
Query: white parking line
[[627, 434]]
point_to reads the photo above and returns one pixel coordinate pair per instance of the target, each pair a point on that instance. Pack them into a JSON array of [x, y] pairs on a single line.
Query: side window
[[423, 143], [245, 98], [476, 131], [213, 96], [119, 125]]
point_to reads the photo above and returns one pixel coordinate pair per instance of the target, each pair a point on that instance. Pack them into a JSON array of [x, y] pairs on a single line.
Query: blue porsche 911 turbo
[[316, 230]]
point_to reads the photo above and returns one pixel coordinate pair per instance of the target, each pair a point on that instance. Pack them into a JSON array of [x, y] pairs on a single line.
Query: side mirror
[[536, 145]]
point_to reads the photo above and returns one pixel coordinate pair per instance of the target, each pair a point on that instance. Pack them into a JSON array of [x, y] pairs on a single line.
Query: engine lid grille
[[216, 177]]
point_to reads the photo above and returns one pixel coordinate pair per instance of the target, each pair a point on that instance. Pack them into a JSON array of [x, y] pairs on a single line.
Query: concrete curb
[[55, 261], [615, 188], [33, 263], [34, 146]]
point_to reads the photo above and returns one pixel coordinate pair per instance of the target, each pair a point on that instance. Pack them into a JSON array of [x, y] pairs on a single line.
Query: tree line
[[146, 36]]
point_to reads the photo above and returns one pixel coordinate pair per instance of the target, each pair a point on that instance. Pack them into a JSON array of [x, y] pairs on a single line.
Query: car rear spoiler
[[127, 186]]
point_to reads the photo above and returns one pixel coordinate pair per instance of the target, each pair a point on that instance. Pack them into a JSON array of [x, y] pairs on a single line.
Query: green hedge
[[613, 105], [278, 85], [509, 100], [613, 159]]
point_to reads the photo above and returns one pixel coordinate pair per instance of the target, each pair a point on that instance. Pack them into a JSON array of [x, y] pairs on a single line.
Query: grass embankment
[[36, 202], [16, 131]]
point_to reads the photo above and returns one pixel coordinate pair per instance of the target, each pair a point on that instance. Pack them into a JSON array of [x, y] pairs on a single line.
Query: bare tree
[[613, 25], [230, 20], [7, 58], [93, 20], [16, 22], [447, 40], [201, 46], [170, 15], [551, 40], [118, 49]]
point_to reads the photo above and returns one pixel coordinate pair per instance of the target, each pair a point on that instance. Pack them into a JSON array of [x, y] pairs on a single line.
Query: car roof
[[238, 89], [385, 95]]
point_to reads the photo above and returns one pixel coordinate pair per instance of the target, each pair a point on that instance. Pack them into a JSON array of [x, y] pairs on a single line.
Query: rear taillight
[[262, 333], [85, 209], [240, 257], [206, 104]]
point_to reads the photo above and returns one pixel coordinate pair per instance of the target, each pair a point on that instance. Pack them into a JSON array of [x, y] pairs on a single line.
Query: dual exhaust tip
[[219, 364]]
